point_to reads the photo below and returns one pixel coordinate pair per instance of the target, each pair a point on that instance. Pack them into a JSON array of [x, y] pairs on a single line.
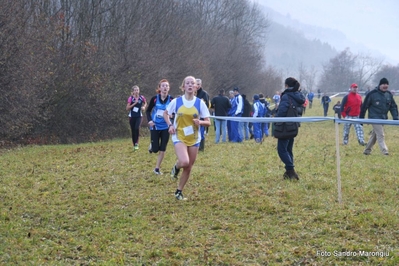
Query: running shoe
[[156, 171], [175, 172], [179, 195]]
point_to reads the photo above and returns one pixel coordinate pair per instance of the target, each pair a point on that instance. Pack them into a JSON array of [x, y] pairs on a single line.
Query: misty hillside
[[335, 38], [292, 42], [287, 48]]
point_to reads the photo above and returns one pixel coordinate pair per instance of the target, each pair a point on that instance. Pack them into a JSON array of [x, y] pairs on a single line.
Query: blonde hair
[[184, 81], [135, 86]]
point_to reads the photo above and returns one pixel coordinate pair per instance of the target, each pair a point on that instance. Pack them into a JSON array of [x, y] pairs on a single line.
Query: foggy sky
[[372, 23]]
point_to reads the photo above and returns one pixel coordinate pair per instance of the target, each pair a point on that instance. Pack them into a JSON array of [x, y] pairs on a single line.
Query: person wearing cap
[[378, 102], [258, 111], [350, 108], [237, 108], [291, 95]]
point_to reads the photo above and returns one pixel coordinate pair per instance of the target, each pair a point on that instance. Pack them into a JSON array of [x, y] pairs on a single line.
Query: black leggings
[[135, 123], [159, 140]]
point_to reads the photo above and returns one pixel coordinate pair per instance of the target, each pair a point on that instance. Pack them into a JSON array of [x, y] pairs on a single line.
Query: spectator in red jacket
[[350, 108]]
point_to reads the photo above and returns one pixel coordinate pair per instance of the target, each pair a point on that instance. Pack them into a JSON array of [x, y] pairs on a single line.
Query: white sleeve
[[240, 104], [171, 107], [204, 111], [255, 110]]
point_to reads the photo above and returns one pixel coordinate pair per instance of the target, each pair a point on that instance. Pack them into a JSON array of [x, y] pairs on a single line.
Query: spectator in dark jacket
[[337, 109], [203, 95], [290, 95], [246, 113], [221, 105], [378, 102], [325, 101]]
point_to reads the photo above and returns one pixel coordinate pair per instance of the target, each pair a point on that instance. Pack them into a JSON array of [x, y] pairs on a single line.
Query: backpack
[[287, 130]]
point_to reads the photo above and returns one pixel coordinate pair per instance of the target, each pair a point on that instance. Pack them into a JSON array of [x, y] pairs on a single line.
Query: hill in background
[[291, 43], [287, 48]]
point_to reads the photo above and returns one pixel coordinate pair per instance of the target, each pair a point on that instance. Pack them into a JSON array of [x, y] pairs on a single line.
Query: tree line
[[366, 71], [67, 66]]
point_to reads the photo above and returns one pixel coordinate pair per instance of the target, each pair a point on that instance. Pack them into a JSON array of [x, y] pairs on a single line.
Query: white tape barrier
[[306, 119], [271, 106], [368, 121], [315, 119]]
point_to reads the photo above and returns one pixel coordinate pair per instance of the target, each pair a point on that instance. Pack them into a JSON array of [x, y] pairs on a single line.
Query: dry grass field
[[101, 204]]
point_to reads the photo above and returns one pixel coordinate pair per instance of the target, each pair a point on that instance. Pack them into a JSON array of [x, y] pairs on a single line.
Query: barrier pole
[[338, 162]]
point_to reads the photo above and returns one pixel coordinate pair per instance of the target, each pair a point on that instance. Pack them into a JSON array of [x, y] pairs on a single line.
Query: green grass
[[101, 204]]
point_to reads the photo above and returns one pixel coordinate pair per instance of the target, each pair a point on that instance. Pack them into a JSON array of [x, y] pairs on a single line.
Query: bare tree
[[389, 72], [311, 78], [338, 74], [307, 77], [347, 68], [366, 68], [73, 62]]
